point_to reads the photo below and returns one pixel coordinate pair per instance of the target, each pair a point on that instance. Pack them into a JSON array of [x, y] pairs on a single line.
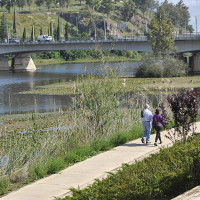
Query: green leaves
[[99, 101], [161, 36], [162, 176], [128, 10]]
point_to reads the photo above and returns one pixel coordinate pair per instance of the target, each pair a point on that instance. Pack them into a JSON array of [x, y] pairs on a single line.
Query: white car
[[44, 38]]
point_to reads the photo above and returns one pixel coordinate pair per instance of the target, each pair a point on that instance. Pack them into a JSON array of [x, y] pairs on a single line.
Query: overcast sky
[[194, 9]]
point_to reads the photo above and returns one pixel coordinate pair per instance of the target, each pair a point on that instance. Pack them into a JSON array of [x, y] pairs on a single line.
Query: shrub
[[184, 106], [155, 67], [98, 104], [162, 176], [174, 67]]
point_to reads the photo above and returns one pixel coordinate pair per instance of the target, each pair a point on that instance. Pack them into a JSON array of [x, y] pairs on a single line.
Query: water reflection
[[12, 83]]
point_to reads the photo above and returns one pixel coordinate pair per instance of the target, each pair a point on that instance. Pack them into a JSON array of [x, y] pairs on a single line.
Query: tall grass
[[100, 118]]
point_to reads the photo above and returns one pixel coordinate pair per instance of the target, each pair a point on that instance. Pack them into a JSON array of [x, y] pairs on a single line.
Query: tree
[[32, 33], [58, 30], [68, 3], [24, 34], [3, 28], [161, 36], [50, 29], [48, 3], [9, 4], [107, 6], [145, 5], [183, 14], [178, 13], [41, 31], [39, 2], [128, 10], [21, 3], [66, 31], [3, 2], [94, 4], [62, 3], [14, 24], [29, 2]]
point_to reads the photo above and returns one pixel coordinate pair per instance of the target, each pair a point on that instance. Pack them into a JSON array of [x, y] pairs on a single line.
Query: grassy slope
[[41, 17]]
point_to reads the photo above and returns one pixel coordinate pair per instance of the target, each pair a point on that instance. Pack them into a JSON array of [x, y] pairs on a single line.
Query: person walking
[[157, 123], [146, 118]]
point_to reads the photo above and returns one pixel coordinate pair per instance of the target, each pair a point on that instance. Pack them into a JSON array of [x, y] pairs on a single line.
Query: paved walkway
[[84, 173]]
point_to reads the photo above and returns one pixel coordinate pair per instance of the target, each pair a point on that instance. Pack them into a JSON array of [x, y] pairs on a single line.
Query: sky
[[194, 9]]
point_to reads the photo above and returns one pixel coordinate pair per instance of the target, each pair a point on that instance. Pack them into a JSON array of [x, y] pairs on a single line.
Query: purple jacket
[[158, 121]]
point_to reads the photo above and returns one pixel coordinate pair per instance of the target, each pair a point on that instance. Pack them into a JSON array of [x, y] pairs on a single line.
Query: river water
[[11, 102]]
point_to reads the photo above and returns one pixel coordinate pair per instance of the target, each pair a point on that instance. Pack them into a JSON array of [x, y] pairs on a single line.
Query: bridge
[[22, 51]]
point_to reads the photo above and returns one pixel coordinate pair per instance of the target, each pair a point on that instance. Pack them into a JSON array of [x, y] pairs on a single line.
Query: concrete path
[[193, 194], [84, 173]]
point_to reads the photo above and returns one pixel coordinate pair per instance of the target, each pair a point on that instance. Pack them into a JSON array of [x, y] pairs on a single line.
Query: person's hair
[[157, 111], [146, 106]]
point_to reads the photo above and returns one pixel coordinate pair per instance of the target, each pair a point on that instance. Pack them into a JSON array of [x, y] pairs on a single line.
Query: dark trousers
[[158, 129]]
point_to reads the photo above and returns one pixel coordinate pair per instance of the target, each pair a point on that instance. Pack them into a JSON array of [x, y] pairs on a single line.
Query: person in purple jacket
[[157, 123]]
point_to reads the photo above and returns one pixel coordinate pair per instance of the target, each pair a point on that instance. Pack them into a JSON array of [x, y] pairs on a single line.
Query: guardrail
[[108, 39]]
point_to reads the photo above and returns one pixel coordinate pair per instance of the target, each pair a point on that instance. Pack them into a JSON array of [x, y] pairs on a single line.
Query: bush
[[48, 55], [155, 67], [97, 53], [174, 67], [98, 104], [184, 106], [150, 67], [162, 176]]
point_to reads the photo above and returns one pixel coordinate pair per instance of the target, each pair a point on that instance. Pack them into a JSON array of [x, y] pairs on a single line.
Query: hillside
[[77, 16]]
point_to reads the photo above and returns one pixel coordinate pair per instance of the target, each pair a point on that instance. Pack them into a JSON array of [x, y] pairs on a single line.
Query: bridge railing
[[188, 36]]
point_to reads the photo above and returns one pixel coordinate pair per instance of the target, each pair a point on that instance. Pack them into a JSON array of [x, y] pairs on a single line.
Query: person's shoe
[[148, 142], [155, 144], [160, 142], [142, 140]]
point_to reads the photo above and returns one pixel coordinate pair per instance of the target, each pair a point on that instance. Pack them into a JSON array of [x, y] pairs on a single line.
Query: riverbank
[[130, 84], [83, 60]]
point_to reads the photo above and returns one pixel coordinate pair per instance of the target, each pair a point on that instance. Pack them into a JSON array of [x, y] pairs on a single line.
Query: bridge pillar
[[23, 62], [3, 63], [196, 63]]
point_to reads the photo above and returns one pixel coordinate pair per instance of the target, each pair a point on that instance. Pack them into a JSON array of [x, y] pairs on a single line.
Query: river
[[11, 84]]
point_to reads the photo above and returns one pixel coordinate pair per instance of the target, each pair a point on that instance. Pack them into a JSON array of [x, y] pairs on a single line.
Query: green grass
[[130, 83]]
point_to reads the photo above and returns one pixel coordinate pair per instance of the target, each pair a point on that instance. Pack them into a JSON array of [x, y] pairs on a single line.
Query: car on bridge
[[44, 38], [13, 40]]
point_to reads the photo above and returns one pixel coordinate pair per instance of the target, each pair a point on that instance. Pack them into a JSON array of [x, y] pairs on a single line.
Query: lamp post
[[95, 35], [77, 24], [104, 29], [52, 31], [8, 33], [33, 33], [49, 31]]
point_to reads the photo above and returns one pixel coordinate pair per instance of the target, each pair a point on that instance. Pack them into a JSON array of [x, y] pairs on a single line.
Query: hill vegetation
[[90, 18]]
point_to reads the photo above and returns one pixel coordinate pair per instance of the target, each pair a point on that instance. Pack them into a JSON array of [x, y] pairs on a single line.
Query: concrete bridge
[[22, 51]]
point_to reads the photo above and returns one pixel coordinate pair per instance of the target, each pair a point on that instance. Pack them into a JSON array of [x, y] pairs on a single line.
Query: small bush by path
[[162, 176]]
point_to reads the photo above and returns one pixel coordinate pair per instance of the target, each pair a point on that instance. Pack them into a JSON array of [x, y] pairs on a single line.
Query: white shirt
[[147, 116]]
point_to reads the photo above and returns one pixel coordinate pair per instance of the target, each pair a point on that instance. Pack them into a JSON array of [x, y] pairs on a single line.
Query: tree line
[[177, 13]]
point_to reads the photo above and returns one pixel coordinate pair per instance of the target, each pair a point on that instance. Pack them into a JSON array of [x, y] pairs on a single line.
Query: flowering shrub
[[184, 106]]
